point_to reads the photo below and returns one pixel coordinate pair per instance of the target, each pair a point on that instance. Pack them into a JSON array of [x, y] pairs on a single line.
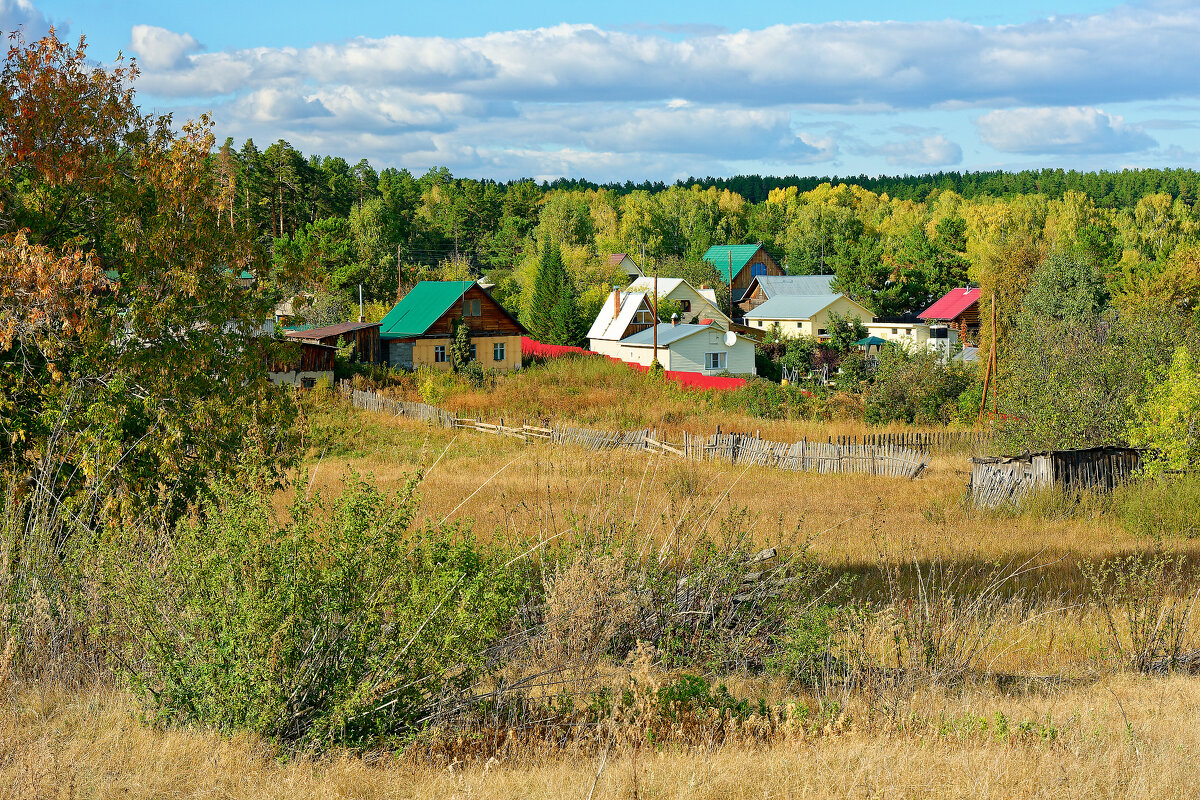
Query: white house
[[805, 315], [695, 306], [625, 314], [685, 347]]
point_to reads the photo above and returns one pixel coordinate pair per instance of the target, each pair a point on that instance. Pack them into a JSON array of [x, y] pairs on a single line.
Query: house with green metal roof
[[419, 329], [739, 264]]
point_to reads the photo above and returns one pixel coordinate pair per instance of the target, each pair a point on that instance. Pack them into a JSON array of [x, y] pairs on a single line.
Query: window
[[474, 352], [308, 383], [685, 306], [439, 354], [498, 351], [714, 361], [822, 332], [758, 269], [760, 323], [895, 330], [472, 308]]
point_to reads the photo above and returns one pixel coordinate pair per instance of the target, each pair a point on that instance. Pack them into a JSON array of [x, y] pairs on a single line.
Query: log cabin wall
[[743, 279]]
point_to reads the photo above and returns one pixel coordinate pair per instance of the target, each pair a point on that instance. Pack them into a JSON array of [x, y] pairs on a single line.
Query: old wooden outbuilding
[[363, 335], [1000, 479]]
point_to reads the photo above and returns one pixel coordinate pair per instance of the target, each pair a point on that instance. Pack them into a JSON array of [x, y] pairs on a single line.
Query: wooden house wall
[[492, 320], [366, 343], [742, 279]]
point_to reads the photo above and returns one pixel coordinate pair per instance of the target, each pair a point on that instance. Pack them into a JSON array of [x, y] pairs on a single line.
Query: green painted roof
[[719, 254], [421, 307]]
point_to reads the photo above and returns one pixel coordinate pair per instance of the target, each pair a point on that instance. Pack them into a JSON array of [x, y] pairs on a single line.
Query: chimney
[[674, 320], [616, 302]]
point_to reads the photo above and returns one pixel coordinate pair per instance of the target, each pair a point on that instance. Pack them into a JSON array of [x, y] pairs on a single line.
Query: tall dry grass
[[1122, 737]]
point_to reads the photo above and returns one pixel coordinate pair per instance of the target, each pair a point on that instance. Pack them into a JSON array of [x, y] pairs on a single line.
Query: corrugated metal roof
[[792, 306], [954, 303], [421, 307], [609, 327], [667, 334], [331, 330], [719, 256], [774, 285]]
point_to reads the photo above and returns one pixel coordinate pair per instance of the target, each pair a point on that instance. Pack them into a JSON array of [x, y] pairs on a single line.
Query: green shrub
[[346, 627], [1161, 507]]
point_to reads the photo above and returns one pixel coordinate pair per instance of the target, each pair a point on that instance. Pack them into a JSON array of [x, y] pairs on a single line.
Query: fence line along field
[[737, 449]]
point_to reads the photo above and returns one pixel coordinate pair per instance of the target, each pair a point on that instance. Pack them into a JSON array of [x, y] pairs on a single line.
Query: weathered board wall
[[1003, 479]]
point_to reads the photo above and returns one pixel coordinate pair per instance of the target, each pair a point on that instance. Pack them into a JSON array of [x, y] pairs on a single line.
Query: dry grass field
[[1051, 713], [1121, 737]]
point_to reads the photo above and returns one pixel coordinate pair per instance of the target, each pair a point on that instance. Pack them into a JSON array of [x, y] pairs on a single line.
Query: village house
[[739, 264], [915, 334], [626, 264], [805, 315], [685, 347], [763, 287], [958, 309], [418, 331], [695, 305], [624, 329], [363, 335]]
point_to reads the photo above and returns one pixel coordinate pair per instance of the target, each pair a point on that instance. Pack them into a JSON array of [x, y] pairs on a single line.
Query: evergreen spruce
[[554, 313]]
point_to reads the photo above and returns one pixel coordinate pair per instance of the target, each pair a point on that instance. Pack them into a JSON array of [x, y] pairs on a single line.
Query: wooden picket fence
[[732, 448], [925, 441]]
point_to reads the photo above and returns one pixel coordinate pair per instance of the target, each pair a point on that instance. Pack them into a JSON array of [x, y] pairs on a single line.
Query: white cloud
[[161, 49], [1067, 130], [21, 15], [926, 151], [580, 97]]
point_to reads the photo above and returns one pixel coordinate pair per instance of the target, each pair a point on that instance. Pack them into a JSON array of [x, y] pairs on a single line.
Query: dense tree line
[[894, 244]]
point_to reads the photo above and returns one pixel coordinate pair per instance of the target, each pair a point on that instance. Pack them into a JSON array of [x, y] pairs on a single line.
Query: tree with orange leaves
[[133, 361]]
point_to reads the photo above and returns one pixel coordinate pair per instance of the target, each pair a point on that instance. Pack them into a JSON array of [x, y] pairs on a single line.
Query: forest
[[895, 244]]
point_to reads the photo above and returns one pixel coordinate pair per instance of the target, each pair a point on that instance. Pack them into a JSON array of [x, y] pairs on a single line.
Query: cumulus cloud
[[1067, 130], [926, 151], [161, 49], [21, 15], [690, 100]]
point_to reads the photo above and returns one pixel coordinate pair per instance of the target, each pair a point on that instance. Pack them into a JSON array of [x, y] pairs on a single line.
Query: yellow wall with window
[[425, 352]]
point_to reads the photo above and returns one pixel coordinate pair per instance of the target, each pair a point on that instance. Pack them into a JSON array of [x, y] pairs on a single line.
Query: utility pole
[[399, 275], [730, 285], [989, 373]]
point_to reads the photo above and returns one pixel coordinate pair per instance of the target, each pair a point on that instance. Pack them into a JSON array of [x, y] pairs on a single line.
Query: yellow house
[[805, 315]]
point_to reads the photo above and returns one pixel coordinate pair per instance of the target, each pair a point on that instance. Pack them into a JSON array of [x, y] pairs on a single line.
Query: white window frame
[[499, 351], [473, 352], [439, 354], [715, 361]]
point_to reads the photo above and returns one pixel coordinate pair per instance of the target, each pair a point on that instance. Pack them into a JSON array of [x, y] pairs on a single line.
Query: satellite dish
[[730, 338]]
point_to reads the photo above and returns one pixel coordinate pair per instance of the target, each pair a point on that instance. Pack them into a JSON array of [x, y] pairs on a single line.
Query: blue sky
[[634, 90]]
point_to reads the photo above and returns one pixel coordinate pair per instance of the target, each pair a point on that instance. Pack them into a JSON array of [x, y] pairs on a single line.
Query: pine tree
[[547, 292]]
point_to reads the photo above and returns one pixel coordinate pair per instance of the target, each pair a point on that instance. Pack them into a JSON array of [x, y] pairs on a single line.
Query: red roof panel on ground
[[954, 303]]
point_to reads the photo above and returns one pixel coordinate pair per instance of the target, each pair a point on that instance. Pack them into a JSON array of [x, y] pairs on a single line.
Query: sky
[[636, 90]]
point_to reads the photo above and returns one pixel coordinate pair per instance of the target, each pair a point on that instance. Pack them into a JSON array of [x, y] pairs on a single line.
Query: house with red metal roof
[[958, 309]]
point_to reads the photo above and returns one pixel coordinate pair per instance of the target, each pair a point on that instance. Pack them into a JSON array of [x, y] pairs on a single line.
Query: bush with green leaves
[[350, 625], [915, 387], [1168, 422]]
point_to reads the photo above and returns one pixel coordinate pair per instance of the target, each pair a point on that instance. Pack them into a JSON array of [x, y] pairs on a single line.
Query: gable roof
[[667, 334], [425, 304], [719, 256], [667, 287], [609, 327], [773, 285], [955, 302], [794, 306]]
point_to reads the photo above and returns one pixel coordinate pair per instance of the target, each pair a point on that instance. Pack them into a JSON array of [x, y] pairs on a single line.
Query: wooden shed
[[1000, 479], [364, 336], [314, 362]]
